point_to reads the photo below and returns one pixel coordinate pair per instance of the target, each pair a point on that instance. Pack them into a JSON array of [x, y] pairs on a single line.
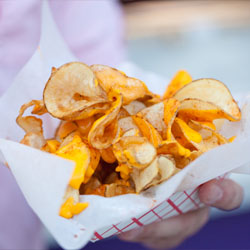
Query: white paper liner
[[43, 177]]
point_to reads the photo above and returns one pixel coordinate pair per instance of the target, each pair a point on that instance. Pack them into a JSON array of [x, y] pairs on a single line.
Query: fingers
[[223, 194], [170, 232]]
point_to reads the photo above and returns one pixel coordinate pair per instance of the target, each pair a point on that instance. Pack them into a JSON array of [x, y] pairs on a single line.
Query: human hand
[[223, 194]]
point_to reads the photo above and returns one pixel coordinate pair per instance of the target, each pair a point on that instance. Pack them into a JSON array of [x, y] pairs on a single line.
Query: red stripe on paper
[[137, 222], [98, 236], [174, 206]]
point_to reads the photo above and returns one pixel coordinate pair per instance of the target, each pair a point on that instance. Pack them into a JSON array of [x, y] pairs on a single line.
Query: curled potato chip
[[134, 151], [39, 107], [108, 155], [115, 189], [132, 132], [29, 123], [33, 140], [94, 162], [143, 178], [198, 110], [134, 107], [189, 133], [173, 148], [170, 111], [64, 129], [148, 131], [124, 171], [78, 152], [126, 124], [212, 91], [180, 79], [85, 125], [105, 130], [71, 89], [155, 116], [97, 109], [110, 78]]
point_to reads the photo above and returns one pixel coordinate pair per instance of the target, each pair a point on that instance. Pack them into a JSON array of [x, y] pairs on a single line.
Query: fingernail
[[215, 194], [130, 235]]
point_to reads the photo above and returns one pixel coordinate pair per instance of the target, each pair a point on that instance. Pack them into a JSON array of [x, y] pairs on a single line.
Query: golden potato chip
[[148, 131], [155, 116], [132, 132], [33, 140], [124, 171], [110, 79], [105, 130], [143, 178], [78, 152], [108, 155], [134, 107], [85, 125], [29, 123], [134, 151], [126, 124], [166, 168], [173, 148], [170, 111], [65, 128], [115, 189], [189, 133], [71, 89], [212, 91], [94, 161], [180, 79]]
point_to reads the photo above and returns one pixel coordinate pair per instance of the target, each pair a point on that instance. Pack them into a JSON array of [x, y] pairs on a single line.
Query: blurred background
[[208, 39]]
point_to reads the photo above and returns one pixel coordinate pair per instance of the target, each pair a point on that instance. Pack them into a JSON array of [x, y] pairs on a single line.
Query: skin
[[223, 194]]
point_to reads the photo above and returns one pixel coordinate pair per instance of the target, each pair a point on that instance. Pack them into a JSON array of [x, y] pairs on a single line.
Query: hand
[[225, 194]]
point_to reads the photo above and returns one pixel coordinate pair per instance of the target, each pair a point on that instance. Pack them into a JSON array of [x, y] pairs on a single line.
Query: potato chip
[[170, 111], [105, 130], [108, 155], [124, 171], [143, 178], [110, 78], [115, 189], [173, 148], [212, 91], [85, 125], [70, 89], [132, 132], [134, 151], [78, 152], [180, 79], [134, 107], [33, 140], [29, 123], [122, 137], [126, 124], [148, 131], [65, 128], [202, 111], [94, 161], [155, 116]]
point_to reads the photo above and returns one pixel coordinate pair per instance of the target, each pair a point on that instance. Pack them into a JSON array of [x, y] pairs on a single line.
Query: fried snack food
[[122, 137]]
